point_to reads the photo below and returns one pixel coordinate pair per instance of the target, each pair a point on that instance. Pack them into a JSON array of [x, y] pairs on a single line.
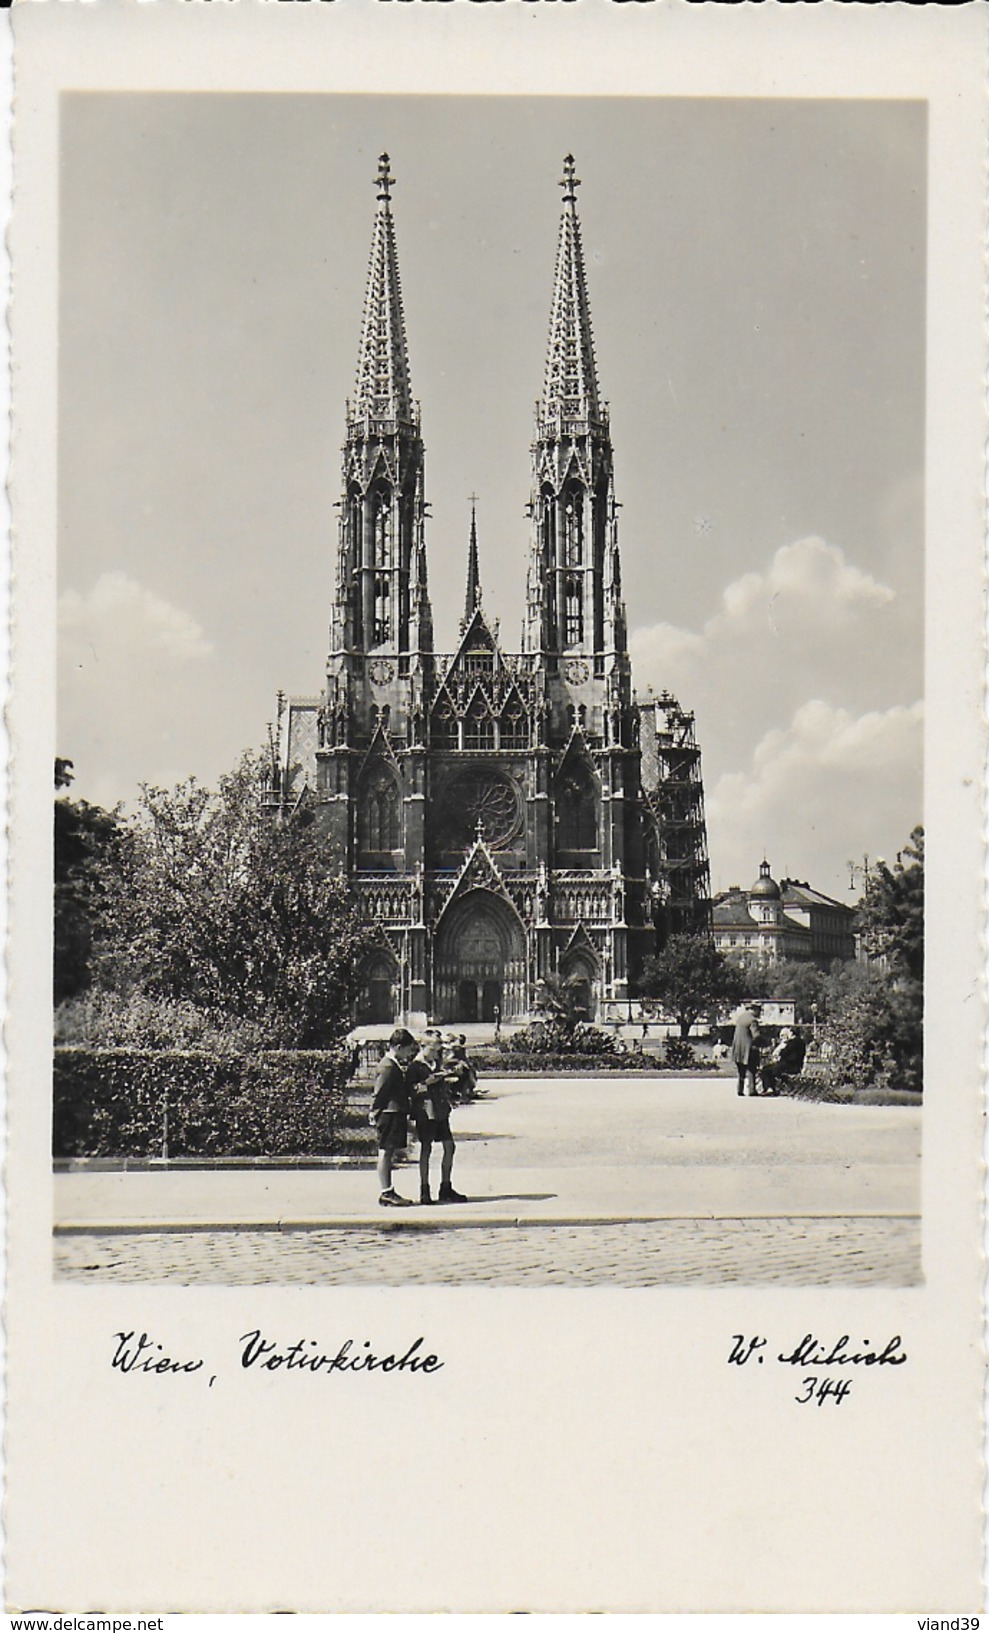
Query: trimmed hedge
[[502, 1063], [158, 1103]]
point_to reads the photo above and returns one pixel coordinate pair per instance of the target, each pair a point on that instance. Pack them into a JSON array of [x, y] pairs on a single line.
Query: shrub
[[552, 1038], [135, 1020], [679, 1053], [144, 1103], [546, 1064], [875, 1041]]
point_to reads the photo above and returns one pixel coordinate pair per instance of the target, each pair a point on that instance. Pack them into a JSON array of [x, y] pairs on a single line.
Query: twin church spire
[[570, 389], [383, 391], [573, 601]]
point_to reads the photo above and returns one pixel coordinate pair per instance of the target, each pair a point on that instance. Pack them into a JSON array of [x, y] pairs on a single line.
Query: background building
[[770, 921], [502, 816]]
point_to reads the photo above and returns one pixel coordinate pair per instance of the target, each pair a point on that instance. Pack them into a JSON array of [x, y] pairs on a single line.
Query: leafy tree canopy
[[691, 978], [790, 978], [86, 839], [892, 911], [214, 902]]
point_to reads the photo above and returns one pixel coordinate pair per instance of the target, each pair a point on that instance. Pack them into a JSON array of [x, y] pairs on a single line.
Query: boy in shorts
[[430, 1095], [390, 1111]]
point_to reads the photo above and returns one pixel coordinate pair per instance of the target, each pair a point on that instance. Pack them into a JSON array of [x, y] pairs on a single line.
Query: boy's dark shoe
[[448, 1194], [391, 1199], [424, 1196]]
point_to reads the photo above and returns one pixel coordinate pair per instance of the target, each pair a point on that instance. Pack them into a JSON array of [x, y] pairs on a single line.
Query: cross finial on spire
[[385, 180], [570, 180]]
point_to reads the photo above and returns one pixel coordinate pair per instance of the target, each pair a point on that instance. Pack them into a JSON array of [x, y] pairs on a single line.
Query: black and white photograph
[[508, 550], [608, 794]]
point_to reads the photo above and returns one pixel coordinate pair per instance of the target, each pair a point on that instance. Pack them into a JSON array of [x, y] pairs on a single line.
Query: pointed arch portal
[[480, 961]]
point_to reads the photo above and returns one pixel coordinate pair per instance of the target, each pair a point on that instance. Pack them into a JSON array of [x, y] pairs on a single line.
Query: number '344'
[[820, 1389]]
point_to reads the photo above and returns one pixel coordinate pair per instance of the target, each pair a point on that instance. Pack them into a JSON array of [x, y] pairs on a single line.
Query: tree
[[790, 978], [877, 1035], [86, 838], [214, 902], [874, 1038], [891, 912], [562, 1001], [691, 978]]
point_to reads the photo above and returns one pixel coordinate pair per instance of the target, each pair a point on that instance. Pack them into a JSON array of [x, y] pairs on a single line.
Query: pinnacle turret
[[383, 390], [473, 598], [570, 389]]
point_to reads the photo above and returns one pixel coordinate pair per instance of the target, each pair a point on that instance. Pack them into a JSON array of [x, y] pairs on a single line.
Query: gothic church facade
[[500, 816]]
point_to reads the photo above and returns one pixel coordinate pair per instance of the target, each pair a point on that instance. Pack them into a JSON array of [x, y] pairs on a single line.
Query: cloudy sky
[[756, 274]]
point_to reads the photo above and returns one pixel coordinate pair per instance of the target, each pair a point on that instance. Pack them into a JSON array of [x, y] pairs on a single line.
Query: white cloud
[[818, 793], [132, 671], [808, 578], [801, 680], [809, 592], [118, 612]]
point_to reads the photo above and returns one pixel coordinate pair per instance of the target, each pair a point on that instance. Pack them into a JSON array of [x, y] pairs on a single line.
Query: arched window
[[378, 816], [382, 618], [513, 729], [382, 529], [355, 520], [573, 612], [573, 523], [548, 528], [446, 733], [479, 726], [576, 814]]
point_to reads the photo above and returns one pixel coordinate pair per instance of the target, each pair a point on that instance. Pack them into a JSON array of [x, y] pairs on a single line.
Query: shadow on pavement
[[518, 1196]]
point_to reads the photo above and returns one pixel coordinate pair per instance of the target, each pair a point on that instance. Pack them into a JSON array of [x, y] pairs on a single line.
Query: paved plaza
[[671, 1253], [641, 1182]]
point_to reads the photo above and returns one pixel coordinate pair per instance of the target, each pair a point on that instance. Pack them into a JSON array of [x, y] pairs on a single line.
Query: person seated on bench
[[459, 1067], [786, 1060]]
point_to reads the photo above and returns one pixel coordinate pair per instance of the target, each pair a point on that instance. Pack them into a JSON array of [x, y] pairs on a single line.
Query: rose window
[[484, 801]]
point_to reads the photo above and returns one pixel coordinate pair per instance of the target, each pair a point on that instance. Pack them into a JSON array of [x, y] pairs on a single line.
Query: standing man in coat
[[745, 1048]]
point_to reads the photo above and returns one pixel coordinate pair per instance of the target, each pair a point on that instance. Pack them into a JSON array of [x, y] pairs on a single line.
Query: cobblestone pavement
[[671, 1253]]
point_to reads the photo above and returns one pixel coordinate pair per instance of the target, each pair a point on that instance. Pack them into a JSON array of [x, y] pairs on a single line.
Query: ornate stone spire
[[383, 390], [570, 390], [382, 602], [473, 600], [574, 581]]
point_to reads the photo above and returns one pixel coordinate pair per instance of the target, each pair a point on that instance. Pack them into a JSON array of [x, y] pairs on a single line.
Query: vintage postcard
[[496, 1042]]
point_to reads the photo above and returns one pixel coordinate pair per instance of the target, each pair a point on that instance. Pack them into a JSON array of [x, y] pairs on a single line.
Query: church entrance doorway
[[376, 1005], [582, 997], [581, 979], [466, 1001], [479, 965], [491, 1001]]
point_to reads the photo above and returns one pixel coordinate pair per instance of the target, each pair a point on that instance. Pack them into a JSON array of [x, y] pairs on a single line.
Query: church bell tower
[[382, 604], [574, 585]]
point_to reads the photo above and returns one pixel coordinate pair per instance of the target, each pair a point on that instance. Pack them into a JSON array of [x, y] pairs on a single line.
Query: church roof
[[476, 637], [797, 893], [570, 388], [383, 389]]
